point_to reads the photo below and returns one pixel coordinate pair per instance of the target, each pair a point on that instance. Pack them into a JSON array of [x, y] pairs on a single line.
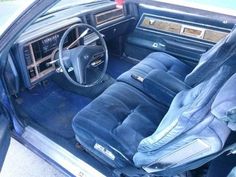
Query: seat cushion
[[112, 125], [155, 61]]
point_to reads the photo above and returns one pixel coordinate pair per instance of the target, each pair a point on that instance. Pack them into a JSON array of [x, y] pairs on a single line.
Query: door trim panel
[[181, 24]]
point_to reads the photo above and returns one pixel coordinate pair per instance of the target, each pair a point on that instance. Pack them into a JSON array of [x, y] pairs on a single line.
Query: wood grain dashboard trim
[[49, 57], [156, 24], [109, 17]]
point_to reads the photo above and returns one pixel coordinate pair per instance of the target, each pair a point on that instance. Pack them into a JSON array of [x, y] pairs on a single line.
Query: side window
[[225, 7]]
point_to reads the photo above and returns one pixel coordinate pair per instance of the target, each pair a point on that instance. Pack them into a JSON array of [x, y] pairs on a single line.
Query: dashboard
[[38, 46], [38, 53]]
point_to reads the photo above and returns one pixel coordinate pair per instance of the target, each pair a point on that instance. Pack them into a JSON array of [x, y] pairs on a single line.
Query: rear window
[[220, 6]]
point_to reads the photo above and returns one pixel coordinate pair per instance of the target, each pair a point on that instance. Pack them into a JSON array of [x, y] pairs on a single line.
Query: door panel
[[4, 138], [145, 43], [183, 35]]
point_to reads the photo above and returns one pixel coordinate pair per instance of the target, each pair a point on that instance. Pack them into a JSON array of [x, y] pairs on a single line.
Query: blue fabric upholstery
[[117, 121], [112, 126], [224, 106], [159, 61], [163, 90], [187, 120], [221, 53]]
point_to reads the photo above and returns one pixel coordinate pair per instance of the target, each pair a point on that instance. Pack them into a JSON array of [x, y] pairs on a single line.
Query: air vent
[[109, 15]]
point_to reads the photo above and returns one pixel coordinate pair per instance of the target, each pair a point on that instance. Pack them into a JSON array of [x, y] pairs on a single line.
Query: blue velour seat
[[219, 54], [155, 61], [112, 126], [197, 130]]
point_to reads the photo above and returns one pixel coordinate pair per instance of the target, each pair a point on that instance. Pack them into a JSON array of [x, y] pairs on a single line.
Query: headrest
[[224, 105]]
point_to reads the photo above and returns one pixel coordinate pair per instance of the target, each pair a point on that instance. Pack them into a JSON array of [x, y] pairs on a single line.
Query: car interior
[[137, 90]]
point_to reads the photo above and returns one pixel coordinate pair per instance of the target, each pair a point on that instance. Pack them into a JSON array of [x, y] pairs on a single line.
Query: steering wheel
[[82, 57]]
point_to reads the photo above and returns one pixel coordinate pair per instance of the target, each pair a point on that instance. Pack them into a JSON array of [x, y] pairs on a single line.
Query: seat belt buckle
[[137, 78]]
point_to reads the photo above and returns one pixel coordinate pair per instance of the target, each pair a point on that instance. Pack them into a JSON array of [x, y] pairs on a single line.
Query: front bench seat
[[112, 126], [155, 61], [221, 53]]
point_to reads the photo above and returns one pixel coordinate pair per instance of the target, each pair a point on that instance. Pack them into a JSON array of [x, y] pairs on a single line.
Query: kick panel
[[180, 28]]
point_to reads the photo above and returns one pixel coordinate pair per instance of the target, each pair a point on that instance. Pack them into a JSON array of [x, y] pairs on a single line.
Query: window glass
[[220, 6], [10, 10]]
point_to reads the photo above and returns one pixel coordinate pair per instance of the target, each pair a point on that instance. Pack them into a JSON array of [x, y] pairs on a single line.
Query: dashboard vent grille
[[109, 15]]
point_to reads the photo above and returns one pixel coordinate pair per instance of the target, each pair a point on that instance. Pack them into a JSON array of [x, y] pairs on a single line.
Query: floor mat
[[117, 66], [51, 107]]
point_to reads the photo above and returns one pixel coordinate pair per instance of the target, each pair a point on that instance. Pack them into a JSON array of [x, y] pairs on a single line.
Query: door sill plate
[[58, 154]]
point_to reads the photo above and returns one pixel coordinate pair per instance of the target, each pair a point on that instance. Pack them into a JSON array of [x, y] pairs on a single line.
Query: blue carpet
[[51, 107], [117, 66]]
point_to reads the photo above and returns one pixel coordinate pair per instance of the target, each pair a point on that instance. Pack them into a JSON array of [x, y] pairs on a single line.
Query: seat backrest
[[192, 128], [222, 52], [224, 105]]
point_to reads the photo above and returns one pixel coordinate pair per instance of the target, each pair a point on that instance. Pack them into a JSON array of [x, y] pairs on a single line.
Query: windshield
[[225, 7], [10, 10], [64, 4]]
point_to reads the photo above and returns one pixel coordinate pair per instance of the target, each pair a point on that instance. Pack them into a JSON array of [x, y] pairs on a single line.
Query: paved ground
[[21, 162]]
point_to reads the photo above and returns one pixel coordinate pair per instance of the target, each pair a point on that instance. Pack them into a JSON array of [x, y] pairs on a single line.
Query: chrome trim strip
[[61, 156]]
